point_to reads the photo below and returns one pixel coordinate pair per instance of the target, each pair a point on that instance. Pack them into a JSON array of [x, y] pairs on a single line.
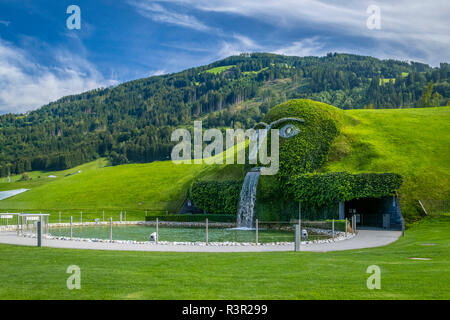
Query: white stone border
[[10, 227]]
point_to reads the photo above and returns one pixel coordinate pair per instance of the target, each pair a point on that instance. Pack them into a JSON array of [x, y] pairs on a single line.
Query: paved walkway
[[363, 239]]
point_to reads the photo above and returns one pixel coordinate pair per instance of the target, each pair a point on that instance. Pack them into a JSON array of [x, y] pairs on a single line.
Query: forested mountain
[[132, 122]]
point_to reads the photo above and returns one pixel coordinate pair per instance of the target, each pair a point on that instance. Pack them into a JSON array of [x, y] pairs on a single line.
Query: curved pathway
[[363, 239]]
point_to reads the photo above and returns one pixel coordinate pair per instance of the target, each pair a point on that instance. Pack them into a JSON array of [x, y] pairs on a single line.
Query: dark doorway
[[370, 212]]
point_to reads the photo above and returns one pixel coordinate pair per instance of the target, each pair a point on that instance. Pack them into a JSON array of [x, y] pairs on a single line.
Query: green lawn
[[39, 273]]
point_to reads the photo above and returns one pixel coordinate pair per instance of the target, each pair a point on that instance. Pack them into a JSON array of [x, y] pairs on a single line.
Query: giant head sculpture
[[307, 129]]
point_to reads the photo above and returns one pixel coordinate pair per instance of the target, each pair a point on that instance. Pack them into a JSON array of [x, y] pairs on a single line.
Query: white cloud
[[238, 44], [241, 44], [27, 85], [420, 27], [158, 13], [306, 47], [157, 72]]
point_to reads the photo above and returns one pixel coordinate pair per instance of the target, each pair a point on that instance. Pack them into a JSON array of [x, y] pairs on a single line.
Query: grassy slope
[[155, 187], [39, 178], [40, 273], [134, 187], [412, 142]]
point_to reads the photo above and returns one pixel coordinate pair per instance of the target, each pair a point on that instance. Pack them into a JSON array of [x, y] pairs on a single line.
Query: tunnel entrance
[[371, 212]]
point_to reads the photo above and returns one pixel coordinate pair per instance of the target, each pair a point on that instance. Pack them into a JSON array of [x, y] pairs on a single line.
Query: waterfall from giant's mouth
[[247, 200]]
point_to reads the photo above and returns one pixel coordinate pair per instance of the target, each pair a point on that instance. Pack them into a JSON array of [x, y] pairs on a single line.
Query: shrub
[[329, 188], [25, 177], [194, 217], [216, 196]]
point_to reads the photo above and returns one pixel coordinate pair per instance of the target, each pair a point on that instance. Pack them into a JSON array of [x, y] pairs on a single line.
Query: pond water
[[179, 234]]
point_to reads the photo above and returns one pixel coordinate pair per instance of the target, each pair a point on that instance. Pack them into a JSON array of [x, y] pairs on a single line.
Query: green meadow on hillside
[[218, 70], [412, 142]]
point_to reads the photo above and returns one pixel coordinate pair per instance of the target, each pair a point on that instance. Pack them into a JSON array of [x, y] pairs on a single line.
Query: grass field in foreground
[[40, 273]]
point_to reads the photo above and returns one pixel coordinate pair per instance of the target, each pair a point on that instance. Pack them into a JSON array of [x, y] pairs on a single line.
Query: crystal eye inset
[[288, 131]]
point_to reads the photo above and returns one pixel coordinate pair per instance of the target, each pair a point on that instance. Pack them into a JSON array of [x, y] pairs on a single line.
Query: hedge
[[194, 217], [220, 197], [329, 188]]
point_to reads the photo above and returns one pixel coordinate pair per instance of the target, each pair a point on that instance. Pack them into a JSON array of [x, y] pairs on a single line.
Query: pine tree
[[425, 99]]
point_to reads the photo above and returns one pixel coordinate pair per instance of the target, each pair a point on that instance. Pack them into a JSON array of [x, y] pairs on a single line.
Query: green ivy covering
[[308, 150], [194, 217], [216, 197], [329, 188]]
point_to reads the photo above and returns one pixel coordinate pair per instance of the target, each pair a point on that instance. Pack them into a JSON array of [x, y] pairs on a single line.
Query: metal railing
[[207, 231]]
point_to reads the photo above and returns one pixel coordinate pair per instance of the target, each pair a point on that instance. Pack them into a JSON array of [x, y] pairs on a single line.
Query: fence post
[[257, 227], [120, 216], [297, 237], [300, 233], [18, 223], [157, 230], [125, 216], [206, 231], [60, 217], [332, 226], [345, 227], [299, 223], [110, 228], [71, 220], [39, 232], [403, 226], [81, 216]]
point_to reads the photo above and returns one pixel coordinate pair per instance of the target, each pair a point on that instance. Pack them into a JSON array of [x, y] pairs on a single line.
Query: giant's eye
[[288, 131]]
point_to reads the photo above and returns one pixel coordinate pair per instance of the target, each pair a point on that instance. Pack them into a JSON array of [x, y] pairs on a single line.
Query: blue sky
[[42, 60]]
